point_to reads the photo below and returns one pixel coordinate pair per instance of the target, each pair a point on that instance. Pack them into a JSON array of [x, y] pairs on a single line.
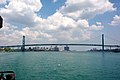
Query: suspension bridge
[[102, 45]]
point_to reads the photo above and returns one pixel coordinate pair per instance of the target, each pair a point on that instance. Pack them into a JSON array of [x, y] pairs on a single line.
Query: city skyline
[[58, 21]]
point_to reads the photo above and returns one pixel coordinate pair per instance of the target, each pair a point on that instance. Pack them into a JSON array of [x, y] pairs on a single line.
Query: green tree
[[7, 49]]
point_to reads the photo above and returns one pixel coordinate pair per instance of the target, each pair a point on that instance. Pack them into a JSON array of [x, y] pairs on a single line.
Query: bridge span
[[23, 45], [60, 45]]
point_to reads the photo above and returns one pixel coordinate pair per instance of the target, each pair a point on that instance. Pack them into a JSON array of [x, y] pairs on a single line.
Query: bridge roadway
[[61, 45]]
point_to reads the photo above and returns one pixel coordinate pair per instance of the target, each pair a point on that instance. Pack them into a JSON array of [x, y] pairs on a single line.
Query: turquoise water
[[62, 65]]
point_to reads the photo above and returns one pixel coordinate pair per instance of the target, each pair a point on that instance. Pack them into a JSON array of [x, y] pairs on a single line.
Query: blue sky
[[50, 8], [59, 21]]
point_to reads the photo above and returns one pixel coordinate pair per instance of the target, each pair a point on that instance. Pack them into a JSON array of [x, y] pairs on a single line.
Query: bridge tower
[[23, 44], [102, 42]]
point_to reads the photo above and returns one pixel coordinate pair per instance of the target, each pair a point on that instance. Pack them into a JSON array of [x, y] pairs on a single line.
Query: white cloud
[[58, 21], [69, 24], [64, 28], [9, 35], [83, 23], [21, 11], [98, 26], [57, 28], [19, 5], [86, 9], [116, 21]]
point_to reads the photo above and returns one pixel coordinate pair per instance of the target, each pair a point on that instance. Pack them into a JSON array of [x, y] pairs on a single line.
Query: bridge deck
[[61, 45]]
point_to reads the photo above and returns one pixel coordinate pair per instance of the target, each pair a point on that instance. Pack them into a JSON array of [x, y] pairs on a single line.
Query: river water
[[62, 65]]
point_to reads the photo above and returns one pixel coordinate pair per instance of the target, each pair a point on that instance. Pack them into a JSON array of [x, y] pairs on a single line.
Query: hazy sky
[[59, 21]]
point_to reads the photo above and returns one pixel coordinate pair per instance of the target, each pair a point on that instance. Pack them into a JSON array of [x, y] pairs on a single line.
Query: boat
[[7, 75]]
